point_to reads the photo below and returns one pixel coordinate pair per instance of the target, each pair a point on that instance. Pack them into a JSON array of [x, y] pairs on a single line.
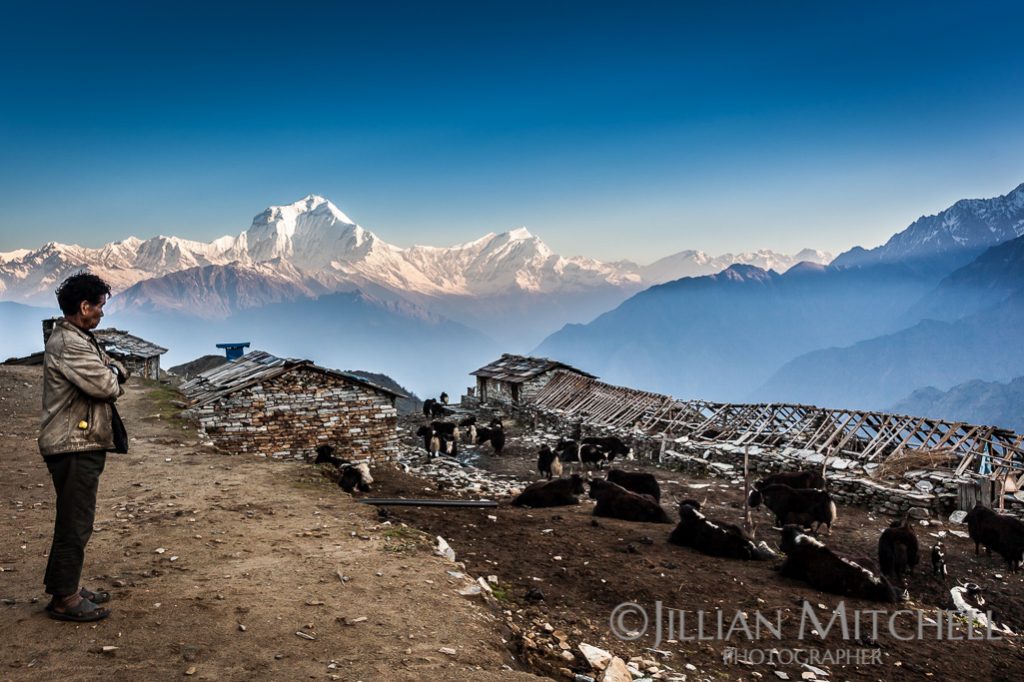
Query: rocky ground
[[226, 568], [560, 574]]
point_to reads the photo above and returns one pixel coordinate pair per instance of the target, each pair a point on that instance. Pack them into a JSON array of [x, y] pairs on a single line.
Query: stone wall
[[923, 493], [290, 415]]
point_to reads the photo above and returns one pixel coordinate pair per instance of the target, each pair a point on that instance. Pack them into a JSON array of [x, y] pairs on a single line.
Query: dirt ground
[[585, 568], [215, 563]]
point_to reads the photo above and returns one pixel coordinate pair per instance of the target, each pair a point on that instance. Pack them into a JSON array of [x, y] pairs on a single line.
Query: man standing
[[80, 384]]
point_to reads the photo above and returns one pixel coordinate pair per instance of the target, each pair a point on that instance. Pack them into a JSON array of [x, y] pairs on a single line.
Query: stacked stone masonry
[[288, 416], [923, 493]]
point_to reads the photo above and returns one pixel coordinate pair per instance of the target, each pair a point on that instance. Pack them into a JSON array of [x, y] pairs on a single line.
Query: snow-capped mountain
[[969, 226], [315, 247], [698, 263]]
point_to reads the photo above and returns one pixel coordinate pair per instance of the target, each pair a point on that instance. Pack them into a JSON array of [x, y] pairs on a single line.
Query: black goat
[[939, 560], [1001, 534], [897, 550], [548, 463], [468, 426], [571, 452], [806, 507], [794, 479], [432, 408], [325, 455], [558, 493], [637, 482], [493, 434], [618, 503], [355, 476], [713, 538], [809, 560], [610, 446]]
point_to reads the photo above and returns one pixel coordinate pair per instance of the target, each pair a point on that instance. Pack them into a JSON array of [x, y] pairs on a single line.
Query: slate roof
[[119, 342], [516, 369], [255, 367]]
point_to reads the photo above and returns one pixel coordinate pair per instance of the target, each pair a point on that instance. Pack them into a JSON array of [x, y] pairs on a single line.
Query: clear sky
[[613, 130]]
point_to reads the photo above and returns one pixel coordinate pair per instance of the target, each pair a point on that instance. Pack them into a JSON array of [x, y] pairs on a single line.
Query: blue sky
[[618, 130]]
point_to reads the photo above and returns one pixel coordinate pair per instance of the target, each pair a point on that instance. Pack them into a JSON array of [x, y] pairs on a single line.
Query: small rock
[[305, 635], [448, 651], [597, 658], [616, 671], [191, 670], [781, 675]]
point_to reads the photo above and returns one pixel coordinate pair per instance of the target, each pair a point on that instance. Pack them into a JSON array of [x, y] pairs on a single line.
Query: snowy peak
[[969, 225]]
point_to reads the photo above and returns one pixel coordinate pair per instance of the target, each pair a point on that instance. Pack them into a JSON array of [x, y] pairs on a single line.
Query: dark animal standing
[[809, 560], [610, 446], [548, 463], [939, 560], [713, 537], [432, 408], [468, 426], [427, 433], [794, 479], [558, 493], [637, 482], [1001, 534], [805, 507], [493, 434], [444, 398], [571, 452], [897, 550], [618, 503]]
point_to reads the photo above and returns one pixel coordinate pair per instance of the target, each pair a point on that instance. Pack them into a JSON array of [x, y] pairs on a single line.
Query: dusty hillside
[[216, 562]]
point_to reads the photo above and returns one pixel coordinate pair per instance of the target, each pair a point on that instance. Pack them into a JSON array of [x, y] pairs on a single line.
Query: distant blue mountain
[[21, 328], [974, 402]]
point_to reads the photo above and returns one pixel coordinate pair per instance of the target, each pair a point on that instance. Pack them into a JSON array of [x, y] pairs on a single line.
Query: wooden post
[[748, 524]]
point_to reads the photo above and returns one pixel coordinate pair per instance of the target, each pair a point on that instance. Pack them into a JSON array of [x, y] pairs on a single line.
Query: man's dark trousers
[[76, 476]]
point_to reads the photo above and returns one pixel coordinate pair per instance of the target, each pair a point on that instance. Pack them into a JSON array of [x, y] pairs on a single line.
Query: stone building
[[284, 408], [141, 357], [516, 378]]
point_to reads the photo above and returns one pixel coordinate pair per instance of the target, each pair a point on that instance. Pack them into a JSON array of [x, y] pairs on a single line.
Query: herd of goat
[[799, 501], [801, 505]]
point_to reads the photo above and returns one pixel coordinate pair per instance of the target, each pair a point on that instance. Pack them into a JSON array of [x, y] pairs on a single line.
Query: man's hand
[[122, 375]]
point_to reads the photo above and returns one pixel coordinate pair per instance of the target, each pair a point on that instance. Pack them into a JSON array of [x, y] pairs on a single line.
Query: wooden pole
[[748, 523]]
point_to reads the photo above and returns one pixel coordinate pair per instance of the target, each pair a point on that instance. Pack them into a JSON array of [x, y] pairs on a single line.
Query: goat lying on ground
[[618, 503], [1001, 534], [548, 463], [805, 507], [897, 550], [713, 538], [558, 493], [809, 560], [349, 476], [325, 455], [637, 482], [355, 476]]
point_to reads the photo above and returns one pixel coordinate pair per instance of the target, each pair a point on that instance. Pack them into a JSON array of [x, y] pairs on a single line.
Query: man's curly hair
[[84, 286]]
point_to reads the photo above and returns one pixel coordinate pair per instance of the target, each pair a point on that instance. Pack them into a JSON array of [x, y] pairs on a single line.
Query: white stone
[[616, 671], [444, 549], [597, 658]]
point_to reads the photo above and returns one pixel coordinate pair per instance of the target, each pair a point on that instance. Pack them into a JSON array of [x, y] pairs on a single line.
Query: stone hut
[[284, 408], [141, 357], [517, 378]]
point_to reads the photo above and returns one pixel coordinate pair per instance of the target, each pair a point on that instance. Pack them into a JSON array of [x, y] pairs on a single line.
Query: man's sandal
[[85, 612], [100, 597]]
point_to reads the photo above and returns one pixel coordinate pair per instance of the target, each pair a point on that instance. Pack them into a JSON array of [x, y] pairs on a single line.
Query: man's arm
[[83, 367]]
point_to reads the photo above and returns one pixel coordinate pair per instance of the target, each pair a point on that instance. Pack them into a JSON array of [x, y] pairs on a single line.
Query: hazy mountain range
[[939, 305]]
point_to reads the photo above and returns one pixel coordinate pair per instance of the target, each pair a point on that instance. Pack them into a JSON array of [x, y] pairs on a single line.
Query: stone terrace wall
[[923, 493], [290, 415]]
